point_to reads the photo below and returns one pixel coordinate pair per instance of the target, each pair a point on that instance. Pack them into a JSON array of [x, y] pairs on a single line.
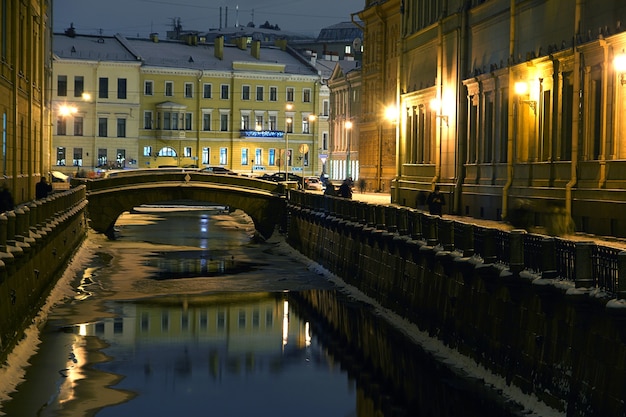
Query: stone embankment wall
[[36, 241], [557, 339]]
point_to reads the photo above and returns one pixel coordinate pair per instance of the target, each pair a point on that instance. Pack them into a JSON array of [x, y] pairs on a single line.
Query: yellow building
[[194, 104], [95, 103], [25, 67], [513, 107]]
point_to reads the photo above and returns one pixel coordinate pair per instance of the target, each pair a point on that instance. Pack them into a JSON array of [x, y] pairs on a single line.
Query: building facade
[[511, 106], [381, 59], [345, 108], [241, 106], [25, 42]]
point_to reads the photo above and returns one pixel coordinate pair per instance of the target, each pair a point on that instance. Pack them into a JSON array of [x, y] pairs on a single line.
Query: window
[[61, 156], [245, 92], [103, 87], [61, 126], [102, 127], [325, 108], [147, 151], [325, 140], [224, 122], [62, 85], [78, 157], [187, 152], [244, 156], [188, 90], [147, 119], [206, 91], [188, 121], [273, 94], [290, 94], [259, 93], [121, 128], [167, 151], [206, 155], [78, 126], [272, 157], [306, 124], [258, 122], [225, 92], [169, 89], [289, 125], [120, 158], [245, 121], [102, 157], [223, 156], [167, 120], [121, 88], [148, 88], [79, 85], [273, 125], [206, 121], [306, 95], [258, 156]]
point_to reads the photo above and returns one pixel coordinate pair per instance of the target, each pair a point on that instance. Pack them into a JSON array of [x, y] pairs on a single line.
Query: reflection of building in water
[[234, 329]]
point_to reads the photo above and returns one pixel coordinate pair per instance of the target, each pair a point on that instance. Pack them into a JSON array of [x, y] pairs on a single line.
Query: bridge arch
[[108, 198]]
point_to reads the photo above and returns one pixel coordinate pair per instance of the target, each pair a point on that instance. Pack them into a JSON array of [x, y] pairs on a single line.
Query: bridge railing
[[130, 178], [584, 263]]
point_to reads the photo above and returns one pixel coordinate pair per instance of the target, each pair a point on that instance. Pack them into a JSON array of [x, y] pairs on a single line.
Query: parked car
[[280, 177], [313, 183], [218, 170]]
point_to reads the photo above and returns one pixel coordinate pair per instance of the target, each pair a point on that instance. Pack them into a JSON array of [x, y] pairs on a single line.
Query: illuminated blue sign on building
[[262, 133]]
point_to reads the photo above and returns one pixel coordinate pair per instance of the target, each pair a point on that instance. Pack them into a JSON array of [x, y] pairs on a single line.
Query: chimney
[[313, 58], [219, 47], [154, 37], [242, 43], [281, 43], [255, 49]]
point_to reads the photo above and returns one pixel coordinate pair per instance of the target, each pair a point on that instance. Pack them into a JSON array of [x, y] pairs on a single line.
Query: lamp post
[[288, 122], [348, 126]]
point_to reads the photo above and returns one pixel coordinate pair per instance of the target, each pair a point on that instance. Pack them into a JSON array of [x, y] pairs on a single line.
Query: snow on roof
[[172, 54], [88, 47]]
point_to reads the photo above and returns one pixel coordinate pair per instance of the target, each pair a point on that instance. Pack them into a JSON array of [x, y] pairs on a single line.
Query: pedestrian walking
[[435, 202], [6, 199], [345, 189], [42, 189]]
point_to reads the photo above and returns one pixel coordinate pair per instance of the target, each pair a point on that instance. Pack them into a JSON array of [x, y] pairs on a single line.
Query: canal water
[[186, 314]]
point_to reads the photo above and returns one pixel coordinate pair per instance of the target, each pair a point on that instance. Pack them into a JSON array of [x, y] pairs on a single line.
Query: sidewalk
[[609, 241]]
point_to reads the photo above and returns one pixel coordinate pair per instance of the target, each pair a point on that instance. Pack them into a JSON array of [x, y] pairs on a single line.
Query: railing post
[[466, 241], [446, 234], [548, 258], [516, 257], [621, 275], [584, 265]]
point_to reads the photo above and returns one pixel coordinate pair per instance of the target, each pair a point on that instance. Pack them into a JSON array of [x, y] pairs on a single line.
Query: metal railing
[[550, 257]]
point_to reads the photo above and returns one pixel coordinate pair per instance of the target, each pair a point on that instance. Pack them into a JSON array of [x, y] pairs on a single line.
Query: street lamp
[[289, 122], [348, 126], [619, 62]]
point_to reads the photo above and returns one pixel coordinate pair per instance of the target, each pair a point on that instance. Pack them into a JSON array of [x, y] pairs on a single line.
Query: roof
[[89, 47], [173, 54], [341, 32]]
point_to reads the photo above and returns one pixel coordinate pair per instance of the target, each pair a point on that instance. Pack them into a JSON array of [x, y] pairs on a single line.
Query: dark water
[[184, 315]]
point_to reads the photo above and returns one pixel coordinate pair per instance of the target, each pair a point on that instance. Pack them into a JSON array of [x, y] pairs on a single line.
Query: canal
[[185, 313]]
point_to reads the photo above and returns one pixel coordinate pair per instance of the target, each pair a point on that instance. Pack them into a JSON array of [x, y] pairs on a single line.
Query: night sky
[[142, 17]]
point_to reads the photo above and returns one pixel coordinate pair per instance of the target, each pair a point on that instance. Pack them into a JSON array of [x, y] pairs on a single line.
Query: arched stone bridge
[[108, 198]]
